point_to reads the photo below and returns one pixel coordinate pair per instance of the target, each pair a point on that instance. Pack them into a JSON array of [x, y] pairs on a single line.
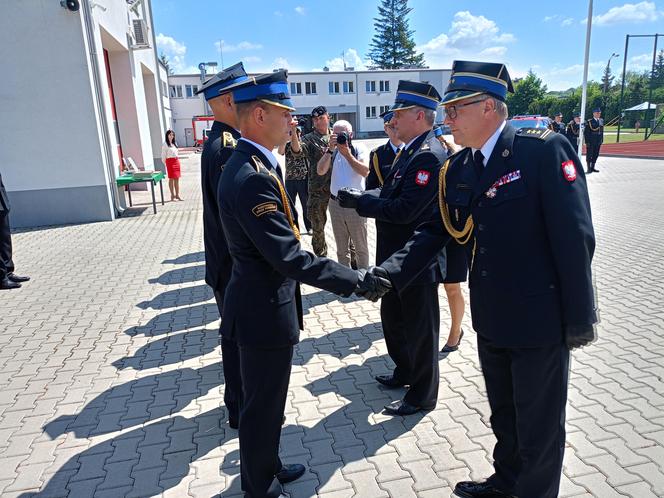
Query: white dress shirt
[[490, 144]]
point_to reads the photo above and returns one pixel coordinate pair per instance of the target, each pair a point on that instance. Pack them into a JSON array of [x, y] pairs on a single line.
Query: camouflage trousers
[[317, 214]]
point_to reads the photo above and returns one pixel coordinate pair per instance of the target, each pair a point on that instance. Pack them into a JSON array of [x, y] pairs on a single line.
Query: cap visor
[[284, 104], [451, 97]]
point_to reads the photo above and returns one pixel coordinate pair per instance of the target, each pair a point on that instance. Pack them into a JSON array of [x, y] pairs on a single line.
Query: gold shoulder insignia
[[229, 141], [258, 164], [264, 208]]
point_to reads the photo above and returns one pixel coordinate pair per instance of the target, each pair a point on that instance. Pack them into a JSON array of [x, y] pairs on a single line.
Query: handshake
[[373, 283], [347, 197]]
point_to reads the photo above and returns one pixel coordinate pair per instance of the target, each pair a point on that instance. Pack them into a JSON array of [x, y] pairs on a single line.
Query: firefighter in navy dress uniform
[[410, 318], [518, 202], [8, 279], [572, 131], [262, 305], [557, 124], [593, 134], [218, 148], [382, 157]]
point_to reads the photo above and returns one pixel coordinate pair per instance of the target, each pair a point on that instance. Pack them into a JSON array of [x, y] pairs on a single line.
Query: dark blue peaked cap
[[387, 116], [412, 93], [271, 88], [471, 78], [597, 109], [219, 83]]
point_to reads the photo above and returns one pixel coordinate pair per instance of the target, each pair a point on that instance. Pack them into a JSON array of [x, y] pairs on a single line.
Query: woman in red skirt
[[169, 155]]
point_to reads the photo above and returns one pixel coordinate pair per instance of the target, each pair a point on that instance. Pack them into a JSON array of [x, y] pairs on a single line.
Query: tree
[[164, 60], [607, 79], [658, 75], [526, 91], [392, 46]]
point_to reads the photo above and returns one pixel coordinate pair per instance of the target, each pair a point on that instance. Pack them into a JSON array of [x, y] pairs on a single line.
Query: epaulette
[[258, 164], [425, 146], [229, 141], [541, 133]]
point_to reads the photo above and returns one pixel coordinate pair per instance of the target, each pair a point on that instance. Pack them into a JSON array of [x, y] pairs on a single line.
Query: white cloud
[[628, 13], [175, 52], [278, 13], [562, 78], [567, 22], [551, 18], [468, 36], [243, 45], [299, 10], [352, 59], [281, 63], [251, 59], [641, 62]]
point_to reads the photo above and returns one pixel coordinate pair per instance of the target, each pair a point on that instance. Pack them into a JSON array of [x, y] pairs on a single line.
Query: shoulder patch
[[264, 208], [422, 177], [229, 141], [541, 133], [258, 164]]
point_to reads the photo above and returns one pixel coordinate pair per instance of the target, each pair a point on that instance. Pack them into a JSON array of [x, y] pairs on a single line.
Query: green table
[[154, 178]]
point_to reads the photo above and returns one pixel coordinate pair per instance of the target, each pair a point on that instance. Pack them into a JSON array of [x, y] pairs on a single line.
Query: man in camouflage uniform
[[313, 145]]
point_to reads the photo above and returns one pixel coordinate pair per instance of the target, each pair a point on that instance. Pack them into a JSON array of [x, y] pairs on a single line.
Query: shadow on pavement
[[179, 297], [340, 343], [176, 320], [180, 275], [138, 402], [172, 349], [185, 259]]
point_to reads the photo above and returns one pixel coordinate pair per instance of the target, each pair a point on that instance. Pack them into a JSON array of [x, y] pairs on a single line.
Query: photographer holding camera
[[350, 166]]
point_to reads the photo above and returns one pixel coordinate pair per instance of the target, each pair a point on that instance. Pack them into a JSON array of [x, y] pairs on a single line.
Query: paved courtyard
[[111, 382]]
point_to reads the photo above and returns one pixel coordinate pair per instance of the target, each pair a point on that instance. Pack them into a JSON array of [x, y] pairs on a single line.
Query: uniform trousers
[[527, 391], [350, 230], [592, 151], [6, 261], [411, 322], [300, 188], [230, 362], [265, 375], [317, 214]]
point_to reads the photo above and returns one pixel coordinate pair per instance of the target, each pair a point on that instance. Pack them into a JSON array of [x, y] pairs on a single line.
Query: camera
[[342, 138], [71, 5]]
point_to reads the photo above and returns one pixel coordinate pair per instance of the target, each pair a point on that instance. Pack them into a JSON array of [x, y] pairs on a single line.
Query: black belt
[[333, 197]]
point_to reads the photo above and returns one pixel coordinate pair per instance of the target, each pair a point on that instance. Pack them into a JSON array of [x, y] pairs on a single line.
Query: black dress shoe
[[15, 278], [595, 170], [5, 283], [402, 407], [389, 381], [448, 349], [233, 424], [289, 473], [471, 489]]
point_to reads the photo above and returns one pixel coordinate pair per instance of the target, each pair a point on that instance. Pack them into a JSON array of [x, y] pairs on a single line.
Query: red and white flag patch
[[422, 177], [569, 171]]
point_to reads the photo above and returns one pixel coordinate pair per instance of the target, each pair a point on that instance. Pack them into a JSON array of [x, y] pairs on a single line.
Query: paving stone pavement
[[111, 383]]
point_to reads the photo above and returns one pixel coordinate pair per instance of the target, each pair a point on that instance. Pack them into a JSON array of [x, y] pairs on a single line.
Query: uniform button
[[484, 273], [480, 227], [482, 250]]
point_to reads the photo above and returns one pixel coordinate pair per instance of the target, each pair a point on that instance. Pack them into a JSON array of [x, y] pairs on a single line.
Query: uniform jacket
[[558, 127], [262, 306], [313, 145], [593, 132], [380, 158], [218, 148], [532, 243], [572, 133], [4, 198], [405, 201]]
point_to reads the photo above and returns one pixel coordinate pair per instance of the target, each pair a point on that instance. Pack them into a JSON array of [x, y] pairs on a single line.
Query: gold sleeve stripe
[[377, 169]]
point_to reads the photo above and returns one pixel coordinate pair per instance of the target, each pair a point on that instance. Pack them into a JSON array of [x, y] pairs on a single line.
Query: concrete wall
[[185, 108], [52, 158], [61, 157]]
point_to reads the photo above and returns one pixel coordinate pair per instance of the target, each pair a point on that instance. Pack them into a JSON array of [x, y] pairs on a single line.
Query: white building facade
[[100, 95], [356, 96]]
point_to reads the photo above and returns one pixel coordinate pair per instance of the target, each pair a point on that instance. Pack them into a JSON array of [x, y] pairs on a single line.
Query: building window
[[164, 88], [190, 91], [384, 108], [333, 87], [385, 86], [310, 88], [371, 111], [176, 91], [349, 87], [296, 88], [370, 86]]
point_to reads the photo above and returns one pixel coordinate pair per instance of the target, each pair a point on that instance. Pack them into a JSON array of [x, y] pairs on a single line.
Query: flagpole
[[584, 86]]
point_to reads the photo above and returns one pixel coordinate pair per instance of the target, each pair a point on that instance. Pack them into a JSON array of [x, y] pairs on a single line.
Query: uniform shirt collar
[[394, 147], [489, 145], [267, 153]]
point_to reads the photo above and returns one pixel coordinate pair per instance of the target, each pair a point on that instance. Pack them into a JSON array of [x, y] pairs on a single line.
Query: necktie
[[478, 159], [281, 175]]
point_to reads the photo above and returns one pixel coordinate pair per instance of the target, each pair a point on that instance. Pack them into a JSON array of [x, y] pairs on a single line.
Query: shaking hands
[[373, 284]]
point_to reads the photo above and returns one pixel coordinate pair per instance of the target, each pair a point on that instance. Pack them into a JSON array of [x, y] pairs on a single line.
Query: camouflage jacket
[[313, 146]]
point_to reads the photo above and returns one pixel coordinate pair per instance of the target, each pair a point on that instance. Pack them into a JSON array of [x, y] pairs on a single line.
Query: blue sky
[[303, 35]]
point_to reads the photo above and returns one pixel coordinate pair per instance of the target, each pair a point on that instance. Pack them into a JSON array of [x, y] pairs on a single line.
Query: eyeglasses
[[451, 110]]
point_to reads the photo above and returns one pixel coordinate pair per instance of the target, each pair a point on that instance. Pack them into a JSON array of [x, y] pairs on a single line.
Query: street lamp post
[[606, 82], [203, 69]]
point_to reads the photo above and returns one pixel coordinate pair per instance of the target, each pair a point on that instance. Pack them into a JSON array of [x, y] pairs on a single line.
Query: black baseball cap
[[318, 111]]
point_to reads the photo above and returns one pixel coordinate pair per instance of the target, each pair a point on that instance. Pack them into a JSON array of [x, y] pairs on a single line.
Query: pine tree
[[607, 79], [165, 62], [658, 74], [392, 46]]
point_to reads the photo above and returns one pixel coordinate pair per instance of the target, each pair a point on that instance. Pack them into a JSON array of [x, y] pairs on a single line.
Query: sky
[[305, 35]]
